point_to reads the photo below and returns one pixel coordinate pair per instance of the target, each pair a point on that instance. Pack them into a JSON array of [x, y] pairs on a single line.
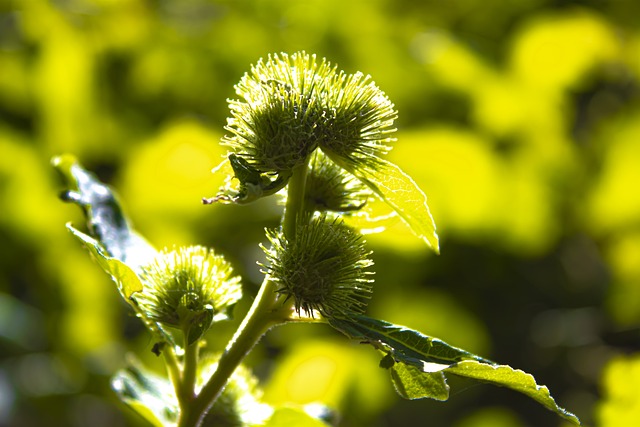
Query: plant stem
[[258, 320], [265, 312], [188, 386], [171, 361], [294, 209]]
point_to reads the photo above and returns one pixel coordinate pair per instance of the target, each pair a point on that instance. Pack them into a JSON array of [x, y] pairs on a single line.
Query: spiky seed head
[[331, 189], [360, 122], [273, 123], [324, 269], [291, 104], [188, 288]]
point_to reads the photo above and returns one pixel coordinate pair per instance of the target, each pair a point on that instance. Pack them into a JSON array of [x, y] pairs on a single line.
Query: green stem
[[294, 209], [171, 362], [262, 316], [264, 313], [188, 386]]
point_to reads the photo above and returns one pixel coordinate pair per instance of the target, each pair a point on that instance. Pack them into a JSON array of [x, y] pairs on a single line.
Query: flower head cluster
[[291, 107], [188, 288], [292, 104], [323, 269]]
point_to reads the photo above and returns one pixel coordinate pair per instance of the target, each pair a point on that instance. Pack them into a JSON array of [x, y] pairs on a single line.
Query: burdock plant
[[316, 137]]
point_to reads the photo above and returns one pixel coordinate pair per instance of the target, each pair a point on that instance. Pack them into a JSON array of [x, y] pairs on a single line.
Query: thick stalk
[[264, 313], [294, 210], [190, 368]]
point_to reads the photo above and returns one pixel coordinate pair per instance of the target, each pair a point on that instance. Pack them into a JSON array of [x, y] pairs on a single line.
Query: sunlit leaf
[[515, 379], [399, 191], [423, 355], [413, 383], [126, 279], [149, 395], [409, 346], [106, 221]]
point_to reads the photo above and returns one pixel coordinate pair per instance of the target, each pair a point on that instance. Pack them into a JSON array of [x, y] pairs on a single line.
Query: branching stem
[[265, 312]]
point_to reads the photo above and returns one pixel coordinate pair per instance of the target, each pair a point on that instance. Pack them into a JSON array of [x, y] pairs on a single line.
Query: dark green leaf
[[406, 345], [199, 324], [106, 221], [252, 183], [412, 383], [422, 361], [387, 361]]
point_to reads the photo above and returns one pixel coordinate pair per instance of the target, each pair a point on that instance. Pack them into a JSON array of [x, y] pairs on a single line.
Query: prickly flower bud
[[188, 288], [360, 121], [331, 189], [273, 125], [323, 269], [289, 106]]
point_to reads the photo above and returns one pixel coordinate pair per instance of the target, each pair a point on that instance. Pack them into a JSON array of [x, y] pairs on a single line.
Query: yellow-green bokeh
[[520, 120]]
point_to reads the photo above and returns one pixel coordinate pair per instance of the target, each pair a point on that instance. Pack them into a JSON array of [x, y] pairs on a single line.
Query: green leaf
[[412, 383], [400, 192], [406, 345], [515, 379], [126, 279], [418, 355], [200, 324], [148, 394], [106, 221]]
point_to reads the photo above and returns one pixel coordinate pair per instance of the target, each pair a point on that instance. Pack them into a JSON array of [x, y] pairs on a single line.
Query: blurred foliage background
[[520, 120]]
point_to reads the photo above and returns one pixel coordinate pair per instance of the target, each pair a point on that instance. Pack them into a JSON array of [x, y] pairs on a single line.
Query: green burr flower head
[[290, 105], [273, 124], [324, 269], [188, 288], [331, 189], [360, 120]]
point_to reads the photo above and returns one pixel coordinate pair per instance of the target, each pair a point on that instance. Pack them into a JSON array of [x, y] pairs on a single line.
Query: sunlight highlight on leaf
[[412, 383], [514, 379], [105, 218], [127, 281], [423, 355], [399, 191], [405, 345]]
